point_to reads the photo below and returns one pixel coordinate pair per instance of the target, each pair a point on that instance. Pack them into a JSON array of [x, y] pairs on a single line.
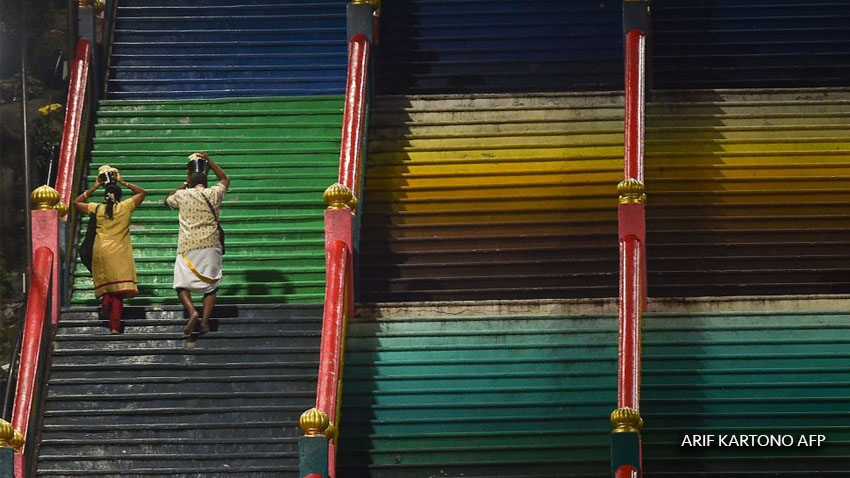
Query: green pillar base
[[312, 456], [625, 450]]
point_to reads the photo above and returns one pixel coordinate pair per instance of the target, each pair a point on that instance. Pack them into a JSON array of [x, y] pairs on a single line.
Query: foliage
[[10, 88]]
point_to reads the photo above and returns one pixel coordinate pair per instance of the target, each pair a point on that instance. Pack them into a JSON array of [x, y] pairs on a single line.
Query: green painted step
[[497, 396], [280, 153]]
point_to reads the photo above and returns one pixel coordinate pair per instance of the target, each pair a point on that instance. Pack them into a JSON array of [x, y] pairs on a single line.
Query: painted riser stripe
[[128, 51]]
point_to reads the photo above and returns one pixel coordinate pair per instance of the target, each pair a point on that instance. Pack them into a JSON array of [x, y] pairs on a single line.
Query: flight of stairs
[[498, 389], [151, 403], [280, 154], [215, 48]]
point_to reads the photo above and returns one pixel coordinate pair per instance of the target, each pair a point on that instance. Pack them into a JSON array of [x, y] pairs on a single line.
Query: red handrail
[[339, 247], [354, 113], [338, 293], [634, 107], [74, 120], [626, 447], [628, 393], [31, 345], [632, 262]]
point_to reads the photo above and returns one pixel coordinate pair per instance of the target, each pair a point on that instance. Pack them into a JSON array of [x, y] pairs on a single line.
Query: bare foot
[[205, 325], [114, 331], [190, 326]]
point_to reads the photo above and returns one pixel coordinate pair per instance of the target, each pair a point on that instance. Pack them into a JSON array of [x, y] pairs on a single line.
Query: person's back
[[198, 224], [113, 267], [200, 245]]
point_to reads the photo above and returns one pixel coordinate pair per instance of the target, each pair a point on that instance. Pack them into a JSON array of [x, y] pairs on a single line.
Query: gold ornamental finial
[[626, 420], [314, 422], [374, 3], [631, 191], [338, 196], [9, 437], [45, 198], [62, 208], [330, 431]]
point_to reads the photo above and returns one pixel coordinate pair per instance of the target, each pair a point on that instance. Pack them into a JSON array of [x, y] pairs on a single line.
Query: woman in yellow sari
[[113, 266]]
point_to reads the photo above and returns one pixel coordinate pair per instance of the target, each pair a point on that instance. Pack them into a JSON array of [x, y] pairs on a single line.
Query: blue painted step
[[474, 46], [751, 43], [227, 3], [210, 48]]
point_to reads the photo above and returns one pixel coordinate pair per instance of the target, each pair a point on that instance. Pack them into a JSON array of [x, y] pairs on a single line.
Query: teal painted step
[[499, 396], [280, 154]]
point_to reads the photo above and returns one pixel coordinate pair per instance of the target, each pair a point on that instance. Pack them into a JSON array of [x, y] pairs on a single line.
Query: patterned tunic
[[197, 224]]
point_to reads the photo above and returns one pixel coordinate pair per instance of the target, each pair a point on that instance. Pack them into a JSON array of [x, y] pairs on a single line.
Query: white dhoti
[[206, 274]]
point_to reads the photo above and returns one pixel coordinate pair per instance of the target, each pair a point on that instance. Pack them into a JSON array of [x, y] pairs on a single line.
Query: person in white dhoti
[[200, 242]]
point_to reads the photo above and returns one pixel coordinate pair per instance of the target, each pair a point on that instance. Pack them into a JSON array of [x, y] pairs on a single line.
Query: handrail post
[[341, 231], [626, 450]]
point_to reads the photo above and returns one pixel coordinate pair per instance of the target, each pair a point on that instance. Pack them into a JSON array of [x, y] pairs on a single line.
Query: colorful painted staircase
[[492, 197], [467, 198], [514, 196], [476, 395], [259, 87], [280, 155]]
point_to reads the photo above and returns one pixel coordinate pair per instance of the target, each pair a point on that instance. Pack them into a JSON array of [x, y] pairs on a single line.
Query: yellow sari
[[113, 266]]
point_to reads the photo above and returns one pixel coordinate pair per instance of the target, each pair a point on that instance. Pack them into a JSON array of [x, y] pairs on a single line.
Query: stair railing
[[317, 448], [47, 283], [626, 452], [42, 313], [36, 341], [74, 149], [75, 121]]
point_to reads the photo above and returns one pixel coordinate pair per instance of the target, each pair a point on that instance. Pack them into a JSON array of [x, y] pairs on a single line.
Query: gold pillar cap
[[338, 196], [314, 422], [45, 198], [626, 420], [631, 191], [62, 208]]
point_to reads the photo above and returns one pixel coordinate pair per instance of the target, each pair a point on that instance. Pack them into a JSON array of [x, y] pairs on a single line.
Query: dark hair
[[197, 178], [111, 195]]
